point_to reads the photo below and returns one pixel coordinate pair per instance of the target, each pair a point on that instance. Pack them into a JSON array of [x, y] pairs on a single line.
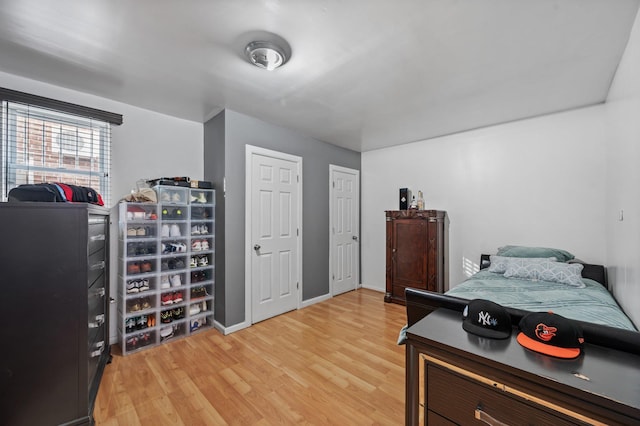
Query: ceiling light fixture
[[266, 54]]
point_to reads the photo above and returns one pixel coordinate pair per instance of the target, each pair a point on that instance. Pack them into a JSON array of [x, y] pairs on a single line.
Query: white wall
[[623, 179], [147, 145], [537, 182], [561, 180]]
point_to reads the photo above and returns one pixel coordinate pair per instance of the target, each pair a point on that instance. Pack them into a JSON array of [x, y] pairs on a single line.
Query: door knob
[[256, 247], [354, 238]]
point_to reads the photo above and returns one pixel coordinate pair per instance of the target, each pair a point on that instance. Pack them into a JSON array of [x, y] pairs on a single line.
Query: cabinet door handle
[[483, 416], [99, 265], [100, 237], [97, 352], [98, 322]]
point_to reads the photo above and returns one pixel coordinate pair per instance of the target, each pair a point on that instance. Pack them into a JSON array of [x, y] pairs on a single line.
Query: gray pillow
[[564, 273], [523, 251], [499, 264]]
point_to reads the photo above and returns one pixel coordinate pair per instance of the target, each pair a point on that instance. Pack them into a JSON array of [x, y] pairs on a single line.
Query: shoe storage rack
[[166, 267]]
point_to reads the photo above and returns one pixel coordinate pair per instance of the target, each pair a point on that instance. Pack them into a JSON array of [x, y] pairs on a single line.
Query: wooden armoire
[[417, 249]]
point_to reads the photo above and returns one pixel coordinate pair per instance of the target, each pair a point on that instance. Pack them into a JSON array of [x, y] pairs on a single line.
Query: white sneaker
[[176, 197], [133, 287], [175, 281], [203, 261], [195, 230], [194, 309], [174, 231], [204, 229], [196, 245], [205, 245], [193, 263], [165, 230], [201, 198], [196, 324], [166, 332], [165, 282], [144, 284]]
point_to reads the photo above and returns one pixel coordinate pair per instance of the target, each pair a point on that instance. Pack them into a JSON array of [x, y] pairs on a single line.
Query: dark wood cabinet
[[54, 262], [416, 252]]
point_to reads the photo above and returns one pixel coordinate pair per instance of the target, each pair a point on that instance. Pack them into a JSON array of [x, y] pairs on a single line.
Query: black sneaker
[[178, 313], [141, 322], [166, 316], [130, 324]]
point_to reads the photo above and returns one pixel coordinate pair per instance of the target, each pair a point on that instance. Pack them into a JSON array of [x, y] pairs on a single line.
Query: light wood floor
[[335, 362]]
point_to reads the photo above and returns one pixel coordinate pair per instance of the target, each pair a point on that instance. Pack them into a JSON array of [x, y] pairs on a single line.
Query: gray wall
[[241, 130], [214, 140]]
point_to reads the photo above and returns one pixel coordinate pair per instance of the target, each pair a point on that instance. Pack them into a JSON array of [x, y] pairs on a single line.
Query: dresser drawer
[[96, 312], [96, 335], [96, 349], [434, 419], [96, 265], [461, 400], [99, 281], [97, 233]]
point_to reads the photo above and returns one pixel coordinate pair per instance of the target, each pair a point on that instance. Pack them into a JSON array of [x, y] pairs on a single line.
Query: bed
[[586, 299]]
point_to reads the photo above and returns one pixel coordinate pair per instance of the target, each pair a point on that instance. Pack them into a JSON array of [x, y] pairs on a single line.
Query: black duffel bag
[[36, 192]]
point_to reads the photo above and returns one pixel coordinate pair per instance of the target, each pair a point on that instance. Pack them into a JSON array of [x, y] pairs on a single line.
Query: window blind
[[41, 145]]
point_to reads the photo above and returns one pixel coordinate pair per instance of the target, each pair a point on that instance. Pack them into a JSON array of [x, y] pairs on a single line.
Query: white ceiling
[[364, 74]]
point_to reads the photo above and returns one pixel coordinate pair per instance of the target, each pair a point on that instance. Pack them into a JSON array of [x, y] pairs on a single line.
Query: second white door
[[344, 223], [275, 192]]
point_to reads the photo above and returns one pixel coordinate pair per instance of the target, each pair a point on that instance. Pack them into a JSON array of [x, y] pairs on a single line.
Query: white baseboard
[[378, 289], [315, 300], [236, 327], [231, 329]]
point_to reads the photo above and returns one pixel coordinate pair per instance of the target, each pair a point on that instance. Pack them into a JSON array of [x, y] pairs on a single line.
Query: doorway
[[273, 222], [344, 228]]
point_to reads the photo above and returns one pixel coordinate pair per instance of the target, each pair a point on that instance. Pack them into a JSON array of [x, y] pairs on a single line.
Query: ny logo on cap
[[484, 318]]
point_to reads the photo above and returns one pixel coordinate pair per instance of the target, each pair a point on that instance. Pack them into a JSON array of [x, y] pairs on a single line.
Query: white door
[[274, 210], [344, 224]]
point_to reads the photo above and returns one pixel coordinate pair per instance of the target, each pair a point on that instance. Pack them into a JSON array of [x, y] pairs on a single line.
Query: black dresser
[[53, 296], [468, 379]]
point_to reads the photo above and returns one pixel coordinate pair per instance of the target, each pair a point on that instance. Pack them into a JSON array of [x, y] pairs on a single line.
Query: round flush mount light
[[266, 54]]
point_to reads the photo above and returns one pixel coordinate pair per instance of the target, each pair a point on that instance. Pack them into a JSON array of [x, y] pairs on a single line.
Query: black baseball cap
[[551, 334], [487, 319]]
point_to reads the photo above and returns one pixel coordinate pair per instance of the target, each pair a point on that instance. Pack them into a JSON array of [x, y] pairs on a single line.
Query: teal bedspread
[[592, 304]]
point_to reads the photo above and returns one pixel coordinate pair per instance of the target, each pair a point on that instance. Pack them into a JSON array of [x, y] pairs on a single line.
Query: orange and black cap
[[551, 334]]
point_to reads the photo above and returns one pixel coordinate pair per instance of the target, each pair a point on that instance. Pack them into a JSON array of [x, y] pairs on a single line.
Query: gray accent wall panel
[[241, 130], [214, 140]]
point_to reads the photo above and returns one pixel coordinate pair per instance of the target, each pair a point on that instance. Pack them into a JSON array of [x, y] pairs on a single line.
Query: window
[[46, 144]]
